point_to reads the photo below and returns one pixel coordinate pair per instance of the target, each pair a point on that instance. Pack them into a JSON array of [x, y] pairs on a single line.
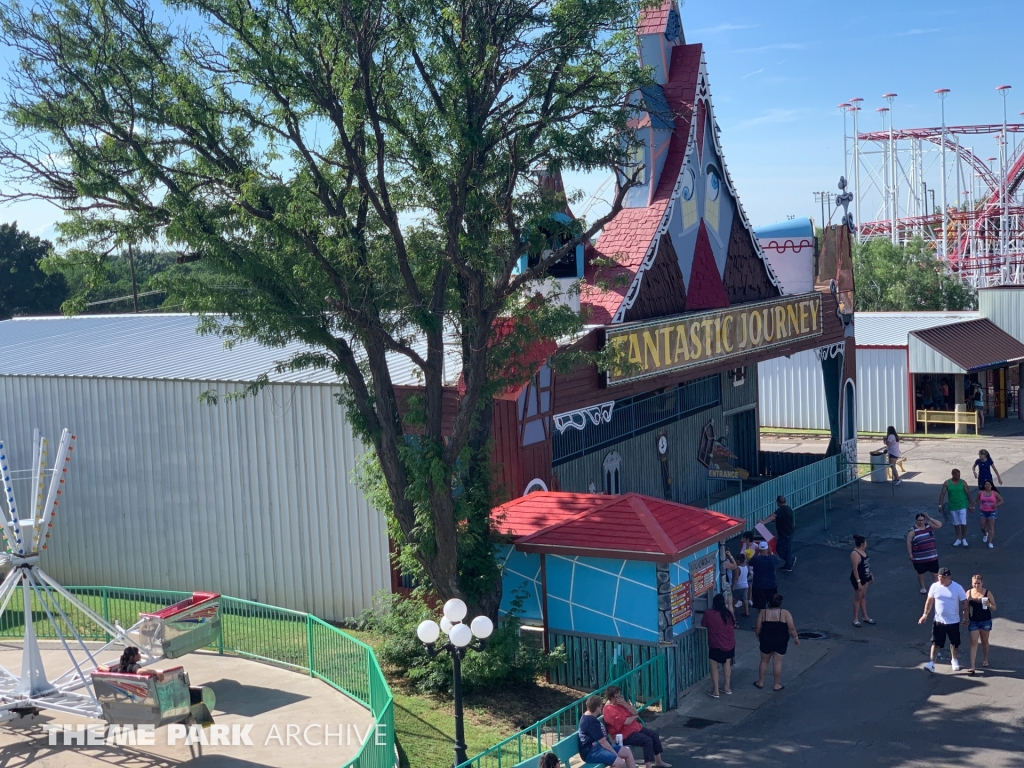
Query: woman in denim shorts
[[980, 604]]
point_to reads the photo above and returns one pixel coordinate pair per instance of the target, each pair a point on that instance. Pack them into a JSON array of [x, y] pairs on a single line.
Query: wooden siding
[[746, 275], [583, 385], [641, 468], [663, 291]]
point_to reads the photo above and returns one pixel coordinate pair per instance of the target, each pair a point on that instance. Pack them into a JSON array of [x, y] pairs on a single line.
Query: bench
[[567, 750], [956, 418]]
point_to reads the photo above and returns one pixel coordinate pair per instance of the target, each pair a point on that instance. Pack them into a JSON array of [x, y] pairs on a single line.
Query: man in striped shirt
[[921, 548]]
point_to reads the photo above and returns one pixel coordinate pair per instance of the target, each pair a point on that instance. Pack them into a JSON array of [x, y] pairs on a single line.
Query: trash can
[[879, 464]]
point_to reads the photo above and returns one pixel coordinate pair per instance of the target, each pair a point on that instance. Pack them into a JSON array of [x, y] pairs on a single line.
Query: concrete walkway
[[270, 699], [861, 697]]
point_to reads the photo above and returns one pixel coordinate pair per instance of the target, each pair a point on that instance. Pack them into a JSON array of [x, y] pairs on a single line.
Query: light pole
[[855, 102], [844, 108], [1004, 240], [460, 640], [945, 212], [895, 169], [883, 111]]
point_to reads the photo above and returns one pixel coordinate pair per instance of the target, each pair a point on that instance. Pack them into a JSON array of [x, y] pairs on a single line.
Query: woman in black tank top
[[773, 628], [980, 604], [860, 577]]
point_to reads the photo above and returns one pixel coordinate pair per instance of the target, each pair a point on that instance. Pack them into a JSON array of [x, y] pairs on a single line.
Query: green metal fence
[[265, 633], [644, 685], [800, 487]]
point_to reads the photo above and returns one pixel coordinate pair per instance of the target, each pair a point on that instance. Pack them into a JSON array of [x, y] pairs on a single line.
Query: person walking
[[988, 499], [892, 445], [784, 528], [984, 467], [860, 577], [959, 503], [978, 401], [774, 627], [741, 584], [947, 598], [980, 604], [765, 580], [921, 548], [720, 623]]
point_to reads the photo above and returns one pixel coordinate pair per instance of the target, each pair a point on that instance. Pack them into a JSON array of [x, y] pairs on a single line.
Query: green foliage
[[905, 278], [98, 277], [361, 177], [505, 661], [25, 289]]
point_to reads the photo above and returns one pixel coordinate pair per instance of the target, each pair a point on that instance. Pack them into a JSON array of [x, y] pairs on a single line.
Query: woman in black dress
[[860, 577], [774, 627]]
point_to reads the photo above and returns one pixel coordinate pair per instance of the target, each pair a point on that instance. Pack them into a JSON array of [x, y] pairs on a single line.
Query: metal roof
[[160, 346], [973, 345], [801, 227], [891, 329]]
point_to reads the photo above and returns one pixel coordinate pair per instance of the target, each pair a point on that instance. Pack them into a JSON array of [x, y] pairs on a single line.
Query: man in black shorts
[[948, 599]]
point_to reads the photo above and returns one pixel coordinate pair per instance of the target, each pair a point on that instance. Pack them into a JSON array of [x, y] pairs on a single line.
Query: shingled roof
[[631, 526], [628, 238]]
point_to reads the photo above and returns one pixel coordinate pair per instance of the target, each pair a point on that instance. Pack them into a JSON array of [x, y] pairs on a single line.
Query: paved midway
[[860, 697]]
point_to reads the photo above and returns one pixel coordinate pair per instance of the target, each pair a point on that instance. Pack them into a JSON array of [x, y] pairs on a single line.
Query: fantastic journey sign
[[652, 348]]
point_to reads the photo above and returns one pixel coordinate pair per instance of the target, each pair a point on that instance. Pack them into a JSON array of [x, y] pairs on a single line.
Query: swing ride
[[89, 687]]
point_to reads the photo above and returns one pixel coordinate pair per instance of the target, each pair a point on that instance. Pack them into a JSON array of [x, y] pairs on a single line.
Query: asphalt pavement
[[860, 696]]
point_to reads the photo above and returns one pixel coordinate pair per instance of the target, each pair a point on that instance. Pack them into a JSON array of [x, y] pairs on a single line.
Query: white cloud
[[773, 47], [772, 116], [910, 32], [755, 72], [723, 28]]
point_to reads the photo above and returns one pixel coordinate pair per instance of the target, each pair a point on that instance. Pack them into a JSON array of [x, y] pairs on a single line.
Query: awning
[[972, 345]]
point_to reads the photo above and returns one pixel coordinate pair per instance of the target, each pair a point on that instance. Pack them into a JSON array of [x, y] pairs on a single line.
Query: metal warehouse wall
[[793, 393], [251, 498]]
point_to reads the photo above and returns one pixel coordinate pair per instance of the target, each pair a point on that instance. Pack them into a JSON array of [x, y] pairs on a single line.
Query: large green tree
[[360, 176], [905, 278], [25, 289]]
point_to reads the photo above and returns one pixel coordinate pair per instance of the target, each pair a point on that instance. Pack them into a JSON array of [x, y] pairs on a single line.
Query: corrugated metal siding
[[792, 392], [734, 397], [882, 390], [891, 328], [641, 469], [1005, 308], [251, 498], [924, 359]]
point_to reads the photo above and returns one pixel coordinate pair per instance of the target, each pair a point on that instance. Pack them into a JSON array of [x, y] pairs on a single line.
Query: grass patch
[[425, 727]]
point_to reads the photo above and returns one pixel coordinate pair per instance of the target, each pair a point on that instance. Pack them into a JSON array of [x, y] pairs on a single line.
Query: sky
[[778, 69]]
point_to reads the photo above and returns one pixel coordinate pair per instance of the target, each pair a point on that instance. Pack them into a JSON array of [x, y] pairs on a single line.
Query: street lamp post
[[945, 211], [856, 102], [886, 164], [1004, 240], [460, 639], [844, 108], [895, 170]]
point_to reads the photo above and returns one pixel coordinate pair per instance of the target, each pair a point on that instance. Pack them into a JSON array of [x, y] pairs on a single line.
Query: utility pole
[[135, 287]]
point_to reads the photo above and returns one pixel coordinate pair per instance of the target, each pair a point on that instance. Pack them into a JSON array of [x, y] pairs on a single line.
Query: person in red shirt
[[720, 623], [621, 717]]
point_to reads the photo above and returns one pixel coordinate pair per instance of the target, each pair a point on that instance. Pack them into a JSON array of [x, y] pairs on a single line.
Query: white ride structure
[[89, 687]]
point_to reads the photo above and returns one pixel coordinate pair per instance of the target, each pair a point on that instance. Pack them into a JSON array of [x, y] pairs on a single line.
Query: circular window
[[714, 185], [689, 183]]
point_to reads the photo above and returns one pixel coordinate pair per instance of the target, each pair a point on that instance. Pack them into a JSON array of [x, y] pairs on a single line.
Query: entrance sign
[[685, 341]]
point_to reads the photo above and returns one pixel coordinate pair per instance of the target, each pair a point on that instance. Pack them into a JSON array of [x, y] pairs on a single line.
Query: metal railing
[[800, 487], [644, 685], [291, 639], [634, 416]]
